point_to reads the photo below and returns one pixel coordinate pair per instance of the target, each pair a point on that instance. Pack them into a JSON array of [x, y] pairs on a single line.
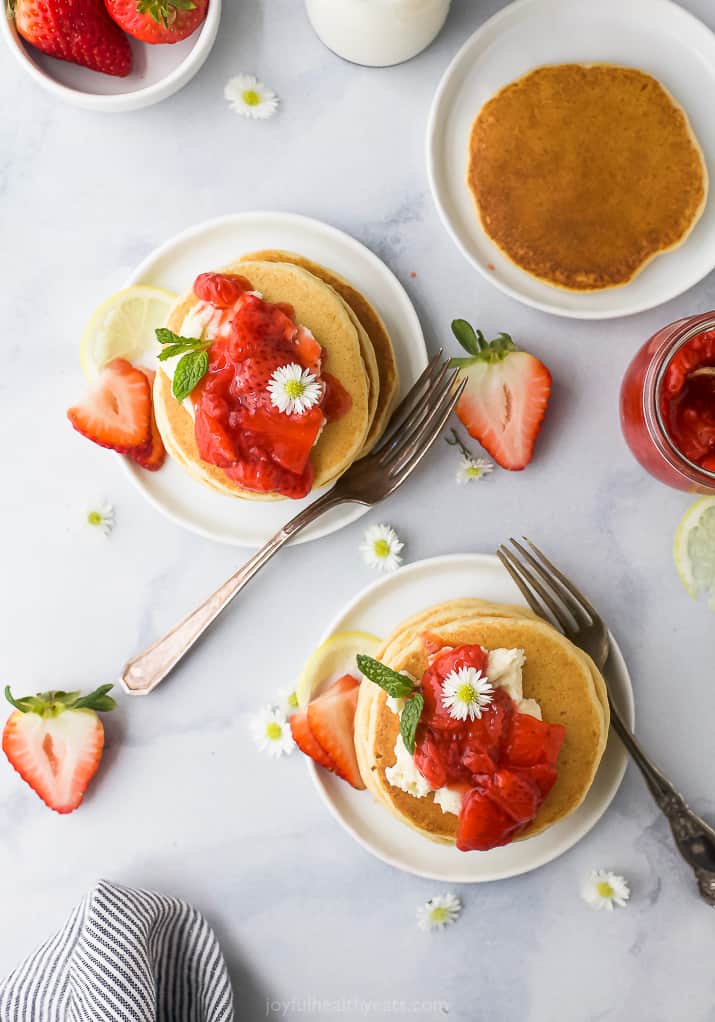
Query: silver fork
[[551, 595], [413, 428]]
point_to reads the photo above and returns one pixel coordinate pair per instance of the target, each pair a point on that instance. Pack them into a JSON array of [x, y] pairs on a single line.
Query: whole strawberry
[[55, 740], [79, 31], [158, 21]]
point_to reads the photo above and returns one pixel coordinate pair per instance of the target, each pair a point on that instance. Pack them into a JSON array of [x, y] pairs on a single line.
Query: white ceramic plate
[[212, 245], [159, 71], [379, 609], [656, 36]]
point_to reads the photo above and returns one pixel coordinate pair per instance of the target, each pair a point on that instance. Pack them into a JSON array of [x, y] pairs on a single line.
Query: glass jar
[[377, 33], [642, 420]]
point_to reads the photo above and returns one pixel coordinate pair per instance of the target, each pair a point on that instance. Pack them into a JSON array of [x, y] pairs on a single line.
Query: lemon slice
[[123, 327], [332, 658], [694, 549]]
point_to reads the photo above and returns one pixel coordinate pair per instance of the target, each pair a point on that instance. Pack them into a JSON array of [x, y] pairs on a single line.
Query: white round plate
[[379, 609], [214, 244], [159, 71], [656, 36]]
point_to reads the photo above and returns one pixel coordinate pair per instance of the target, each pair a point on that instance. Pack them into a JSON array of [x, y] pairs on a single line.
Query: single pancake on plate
[[385, 383], [317, 308], [561, 678], [584, 173]]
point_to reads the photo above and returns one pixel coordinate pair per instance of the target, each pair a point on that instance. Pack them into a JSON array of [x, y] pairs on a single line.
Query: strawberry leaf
[[410, 718], [467, 336]]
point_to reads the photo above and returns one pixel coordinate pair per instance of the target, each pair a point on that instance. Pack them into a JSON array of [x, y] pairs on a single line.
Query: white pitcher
[[377, 33]]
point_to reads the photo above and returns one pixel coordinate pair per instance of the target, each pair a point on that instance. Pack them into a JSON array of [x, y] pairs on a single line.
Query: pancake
[[318, 308], [566, 683], [584, 173], [385, 362]]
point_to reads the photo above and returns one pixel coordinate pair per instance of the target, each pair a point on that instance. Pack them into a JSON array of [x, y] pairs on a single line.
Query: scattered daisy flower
[[465, 693], [294, 390], [271, 732], [381, 548], [471, 469], [438, 912], [250, 98], [101, 516], [287, 701], [604, 889]]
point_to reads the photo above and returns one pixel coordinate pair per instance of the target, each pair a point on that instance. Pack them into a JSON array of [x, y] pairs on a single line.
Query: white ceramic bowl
[[159, 71]]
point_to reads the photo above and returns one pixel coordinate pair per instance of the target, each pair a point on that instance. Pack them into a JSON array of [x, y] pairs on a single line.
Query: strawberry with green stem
[[506, 397], [158, 21], [54, 740]]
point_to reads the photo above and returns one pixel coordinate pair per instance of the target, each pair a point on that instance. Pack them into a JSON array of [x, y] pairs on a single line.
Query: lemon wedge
[[123, 327], [332, 658], [694, 549]]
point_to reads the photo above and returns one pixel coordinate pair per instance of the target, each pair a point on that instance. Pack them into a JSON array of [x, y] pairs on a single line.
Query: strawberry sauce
[[504, 761], [238, 428], [688, 400]]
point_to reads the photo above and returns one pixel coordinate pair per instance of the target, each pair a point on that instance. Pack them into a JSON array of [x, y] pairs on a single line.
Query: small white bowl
[[159, 71]]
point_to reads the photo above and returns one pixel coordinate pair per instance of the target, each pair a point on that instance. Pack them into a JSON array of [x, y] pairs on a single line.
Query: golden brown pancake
[[318, 308], [367, 315], [564, 680], [583, 173]]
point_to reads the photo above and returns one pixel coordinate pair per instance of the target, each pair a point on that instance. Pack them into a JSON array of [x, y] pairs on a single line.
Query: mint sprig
[[399, 686], [193, 364]]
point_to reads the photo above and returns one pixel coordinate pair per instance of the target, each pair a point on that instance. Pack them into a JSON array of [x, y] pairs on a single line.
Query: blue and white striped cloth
[[124, 955]]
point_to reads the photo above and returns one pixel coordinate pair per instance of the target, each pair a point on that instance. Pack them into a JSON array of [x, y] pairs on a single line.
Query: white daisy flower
[[271, 732], [471, 469], [101, 516], [465, 693], [294, 390], [604, 889], [287, 701], [439, 912], [381, 547], [250, 98]]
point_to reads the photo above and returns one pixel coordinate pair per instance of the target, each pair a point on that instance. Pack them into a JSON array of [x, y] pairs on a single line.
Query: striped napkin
[[124, 955]]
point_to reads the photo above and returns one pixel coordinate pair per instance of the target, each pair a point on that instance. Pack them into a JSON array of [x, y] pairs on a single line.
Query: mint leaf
[[409, 719], [190, 370], [172, 350], [396, 685]]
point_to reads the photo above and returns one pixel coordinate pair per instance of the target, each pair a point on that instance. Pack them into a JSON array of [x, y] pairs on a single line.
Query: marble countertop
[[184, 802]]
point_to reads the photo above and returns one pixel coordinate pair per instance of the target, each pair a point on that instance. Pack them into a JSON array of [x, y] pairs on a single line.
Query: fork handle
[[694, 838], [144, 672]]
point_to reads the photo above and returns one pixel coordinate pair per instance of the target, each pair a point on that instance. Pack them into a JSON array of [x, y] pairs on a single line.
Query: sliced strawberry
[[332, 718], [153, 455], [263, 476], [55, 743], [544, 777], [483, 824], [532, 741], [289, 438], [307, 742], [309, 352], [117, 412], [344, 684], [221, 290], [506, 396], [516, 794]]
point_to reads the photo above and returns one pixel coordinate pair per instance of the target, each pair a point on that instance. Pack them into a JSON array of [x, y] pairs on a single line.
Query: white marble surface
[[184, 802]]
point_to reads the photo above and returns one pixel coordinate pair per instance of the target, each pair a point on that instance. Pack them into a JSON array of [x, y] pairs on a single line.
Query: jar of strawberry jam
[[668, 404]]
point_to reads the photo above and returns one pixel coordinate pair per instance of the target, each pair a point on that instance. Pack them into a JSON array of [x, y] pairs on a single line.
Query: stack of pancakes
[[583, 173], [358, 352], [564, 680]]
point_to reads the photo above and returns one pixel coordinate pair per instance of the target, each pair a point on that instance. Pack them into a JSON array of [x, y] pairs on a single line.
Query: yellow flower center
[[273, 731], [382, 548], [439, 914], [466, 693], [474, 472], [94, 518], [251, 97], [293, 700], [295, 388], [604, 889]]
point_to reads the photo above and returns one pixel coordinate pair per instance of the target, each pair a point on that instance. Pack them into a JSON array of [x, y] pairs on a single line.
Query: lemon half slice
[[694, 549], [332, 658], [123, 327]]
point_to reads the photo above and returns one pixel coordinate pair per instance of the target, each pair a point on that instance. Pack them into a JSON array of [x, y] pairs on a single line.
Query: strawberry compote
[[504, 762], [237, 425], [668, 404]]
